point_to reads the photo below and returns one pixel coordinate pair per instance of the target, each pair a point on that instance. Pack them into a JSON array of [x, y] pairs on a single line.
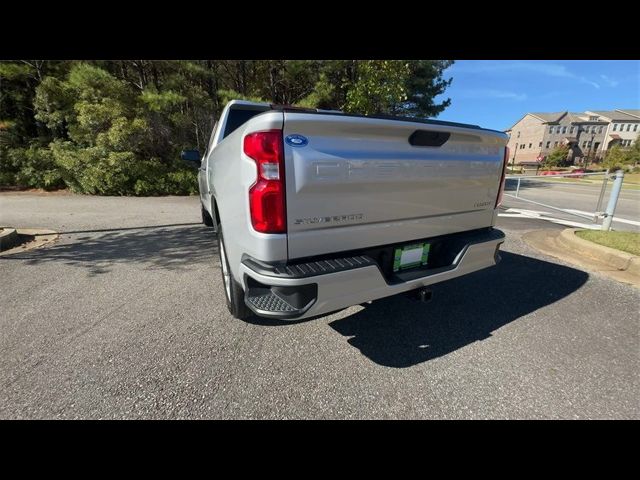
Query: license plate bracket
[[411, 256]]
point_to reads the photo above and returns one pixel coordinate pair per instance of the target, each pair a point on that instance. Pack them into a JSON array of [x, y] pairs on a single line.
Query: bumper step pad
[[310, 269], [270, 302]]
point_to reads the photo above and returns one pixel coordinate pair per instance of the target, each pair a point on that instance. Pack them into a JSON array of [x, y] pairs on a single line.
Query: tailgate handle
[[428, 138]]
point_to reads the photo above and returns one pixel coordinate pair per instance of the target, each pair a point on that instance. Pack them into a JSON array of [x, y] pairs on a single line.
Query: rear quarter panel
[[231, 174]]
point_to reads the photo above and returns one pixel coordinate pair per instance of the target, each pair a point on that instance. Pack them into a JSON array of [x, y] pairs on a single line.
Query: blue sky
[[496, 93]]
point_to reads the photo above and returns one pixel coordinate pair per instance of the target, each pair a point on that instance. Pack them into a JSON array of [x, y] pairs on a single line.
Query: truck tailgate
[[359, 182]]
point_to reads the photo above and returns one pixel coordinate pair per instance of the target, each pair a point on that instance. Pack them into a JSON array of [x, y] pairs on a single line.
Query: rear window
[[237, 118]]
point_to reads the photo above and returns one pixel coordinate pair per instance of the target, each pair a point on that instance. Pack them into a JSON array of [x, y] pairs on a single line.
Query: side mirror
[[190, 156]]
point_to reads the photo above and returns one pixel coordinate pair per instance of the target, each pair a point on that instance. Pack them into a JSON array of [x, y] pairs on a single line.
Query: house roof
[[549, 117], [615, 115], [577, 117], [634, 113]]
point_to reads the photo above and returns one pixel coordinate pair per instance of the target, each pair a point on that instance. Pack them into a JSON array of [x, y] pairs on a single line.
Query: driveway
[[124, 317]]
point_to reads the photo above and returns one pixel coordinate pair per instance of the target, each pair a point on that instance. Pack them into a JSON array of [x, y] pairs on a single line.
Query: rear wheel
[[206, 218], [233, 292]]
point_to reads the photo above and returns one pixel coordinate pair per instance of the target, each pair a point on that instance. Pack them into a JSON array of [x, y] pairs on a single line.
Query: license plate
[[411, 256]]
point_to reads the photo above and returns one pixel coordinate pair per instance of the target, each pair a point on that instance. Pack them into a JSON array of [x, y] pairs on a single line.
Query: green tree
[[424, 83], [633, 154], [617, 157], [117, 127], [558, 157], [380, 87]]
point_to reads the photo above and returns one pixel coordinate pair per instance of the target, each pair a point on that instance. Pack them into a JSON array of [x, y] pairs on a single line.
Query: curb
[[615, 258], [36, 238], [8, 238]]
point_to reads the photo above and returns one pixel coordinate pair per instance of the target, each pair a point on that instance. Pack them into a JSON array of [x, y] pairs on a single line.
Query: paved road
[[578, 197], [123, 317]]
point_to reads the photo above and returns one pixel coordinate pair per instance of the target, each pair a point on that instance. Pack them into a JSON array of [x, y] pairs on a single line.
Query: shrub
[[557, 158], [29, 167]]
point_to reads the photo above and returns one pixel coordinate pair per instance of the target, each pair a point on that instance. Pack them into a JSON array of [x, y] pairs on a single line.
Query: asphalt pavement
[[124, 317]]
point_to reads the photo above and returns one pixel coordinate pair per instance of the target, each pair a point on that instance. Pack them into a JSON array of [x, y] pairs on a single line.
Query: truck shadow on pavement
[[396, 332], [171, 247]]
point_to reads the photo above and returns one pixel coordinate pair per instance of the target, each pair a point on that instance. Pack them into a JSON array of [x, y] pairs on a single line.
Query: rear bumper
[[354, 284]]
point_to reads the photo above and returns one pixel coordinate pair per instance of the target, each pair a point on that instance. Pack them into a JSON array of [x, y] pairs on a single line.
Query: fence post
[[603, 189], [613, 200]]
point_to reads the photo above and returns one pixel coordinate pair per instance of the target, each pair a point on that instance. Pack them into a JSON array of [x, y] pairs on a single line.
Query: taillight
[[266, 196], [502, 178]]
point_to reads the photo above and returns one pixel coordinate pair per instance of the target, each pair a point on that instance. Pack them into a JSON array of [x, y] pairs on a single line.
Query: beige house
[[588, 135], [526, 138], [623, 127]]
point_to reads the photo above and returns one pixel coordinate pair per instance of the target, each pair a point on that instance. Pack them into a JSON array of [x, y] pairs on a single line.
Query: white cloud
[[609, 81], [533, 67], [490, 93]]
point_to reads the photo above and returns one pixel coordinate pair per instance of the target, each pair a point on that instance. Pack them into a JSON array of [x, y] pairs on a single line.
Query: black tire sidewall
[[206, 218], [235, 303]]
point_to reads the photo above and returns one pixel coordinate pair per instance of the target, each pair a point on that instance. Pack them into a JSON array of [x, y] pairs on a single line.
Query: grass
[[632, 178], [626, 241]]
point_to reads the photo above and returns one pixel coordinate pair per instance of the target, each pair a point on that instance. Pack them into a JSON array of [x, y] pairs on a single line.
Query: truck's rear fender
[[232, 174]]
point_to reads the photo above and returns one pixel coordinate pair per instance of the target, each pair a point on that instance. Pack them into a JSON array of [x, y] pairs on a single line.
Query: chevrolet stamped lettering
[[420, 199]]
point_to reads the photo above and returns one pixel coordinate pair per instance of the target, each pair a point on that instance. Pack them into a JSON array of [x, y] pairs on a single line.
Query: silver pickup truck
[[316, 210]]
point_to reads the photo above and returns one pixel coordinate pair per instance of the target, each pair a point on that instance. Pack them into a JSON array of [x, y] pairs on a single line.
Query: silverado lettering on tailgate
[[329, 219]]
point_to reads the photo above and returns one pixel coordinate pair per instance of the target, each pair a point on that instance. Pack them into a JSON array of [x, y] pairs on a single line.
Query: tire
[[233, 292], [206, 218]]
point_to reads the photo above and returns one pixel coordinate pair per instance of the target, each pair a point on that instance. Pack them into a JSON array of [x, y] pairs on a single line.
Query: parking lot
[[124, 317]]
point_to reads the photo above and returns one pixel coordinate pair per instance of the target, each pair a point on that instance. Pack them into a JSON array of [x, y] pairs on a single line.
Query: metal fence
[[598, 214]]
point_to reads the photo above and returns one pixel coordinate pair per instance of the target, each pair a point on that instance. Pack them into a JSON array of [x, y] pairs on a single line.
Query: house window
[[635, 127], [593, 119], [540, 145], [615, 127], [530, 145], [571, 130], [600, 129], [564, 129], [555, 144], [584, 144], [551, 129], [628, 127], [522, 146], [518, 134], [548, 144], [586, 129]]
